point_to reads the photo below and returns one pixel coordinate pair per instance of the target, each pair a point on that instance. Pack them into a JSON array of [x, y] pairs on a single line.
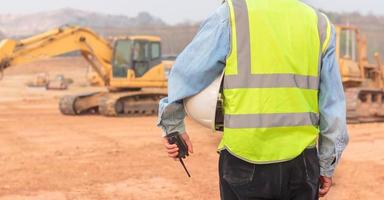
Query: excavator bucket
[[6, 49]]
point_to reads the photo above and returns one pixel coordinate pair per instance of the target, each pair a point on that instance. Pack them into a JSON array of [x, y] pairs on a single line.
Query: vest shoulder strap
[[324, 26]]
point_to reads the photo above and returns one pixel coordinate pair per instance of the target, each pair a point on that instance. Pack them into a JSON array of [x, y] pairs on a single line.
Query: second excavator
[[131, 68], [363, 81]]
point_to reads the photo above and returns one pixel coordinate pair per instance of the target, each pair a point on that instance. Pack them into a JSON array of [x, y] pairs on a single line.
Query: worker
[[284, 106]]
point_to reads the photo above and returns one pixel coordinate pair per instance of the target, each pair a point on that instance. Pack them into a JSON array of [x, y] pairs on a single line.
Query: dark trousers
[[297, 179]]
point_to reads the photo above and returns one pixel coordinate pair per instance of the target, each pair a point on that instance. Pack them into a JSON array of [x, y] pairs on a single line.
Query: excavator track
[[364, 105], [80, 104], [139, 103], [66, 105]]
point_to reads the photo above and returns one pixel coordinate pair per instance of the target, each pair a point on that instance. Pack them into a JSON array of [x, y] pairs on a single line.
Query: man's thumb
[[188, 142]]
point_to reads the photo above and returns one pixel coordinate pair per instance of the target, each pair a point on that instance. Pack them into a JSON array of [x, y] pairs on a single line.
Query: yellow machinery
[[42, 80], [363, 82], [131, 68], [137, 77]]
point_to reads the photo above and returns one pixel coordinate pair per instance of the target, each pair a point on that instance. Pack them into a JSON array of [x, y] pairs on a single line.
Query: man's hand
[[325, 185], [172, 149]]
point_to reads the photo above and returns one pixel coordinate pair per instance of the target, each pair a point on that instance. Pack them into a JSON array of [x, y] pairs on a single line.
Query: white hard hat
[[206, 106]]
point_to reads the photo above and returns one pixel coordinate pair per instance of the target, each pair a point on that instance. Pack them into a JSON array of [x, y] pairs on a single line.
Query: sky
[[171, 11], [364, 6]]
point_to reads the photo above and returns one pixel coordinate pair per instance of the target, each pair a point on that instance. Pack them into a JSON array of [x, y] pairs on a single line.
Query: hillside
[[175, 38]]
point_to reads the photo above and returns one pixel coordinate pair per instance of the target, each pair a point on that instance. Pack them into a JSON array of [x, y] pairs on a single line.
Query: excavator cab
[[138, 55], [355, 68], [349, 55]]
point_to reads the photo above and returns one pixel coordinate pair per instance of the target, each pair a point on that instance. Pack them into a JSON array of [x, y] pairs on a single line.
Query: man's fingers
[[169, 146], [324, 191], [326, 184], [174, 150], [190, 146], [188, 142], [173, 155]]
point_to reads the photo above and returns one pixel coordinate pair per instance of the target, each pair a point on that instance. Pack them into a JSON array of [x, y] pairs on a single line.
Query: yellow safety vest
[[271, 81]]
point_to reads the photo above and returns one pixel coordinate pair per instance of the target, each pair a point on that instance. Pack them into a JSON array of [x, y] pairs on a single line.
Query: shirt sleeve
[[333, 128], [200, 63]]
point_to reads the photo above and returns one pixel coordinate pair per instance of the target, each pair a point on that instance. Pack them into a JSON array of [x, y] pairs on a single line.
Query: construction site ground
[[45, 155]]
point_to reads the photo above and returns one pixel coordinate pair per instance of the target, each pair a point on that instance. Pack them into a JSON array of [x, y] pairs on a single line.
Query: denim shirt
[[203, 60]]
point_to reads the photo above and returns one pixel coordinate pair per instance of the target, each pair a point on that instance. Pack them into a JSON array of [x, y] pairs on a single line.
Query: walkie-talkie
[[175, 138]]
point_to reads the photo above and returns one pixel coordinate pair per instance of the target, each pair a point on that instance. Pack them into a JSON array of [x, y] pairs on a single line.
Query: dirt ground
[[47, 156]]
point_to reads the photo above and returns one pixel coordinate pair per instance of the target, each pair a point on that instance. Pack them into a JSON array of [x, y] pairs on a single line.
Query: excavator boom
[[59, 41]]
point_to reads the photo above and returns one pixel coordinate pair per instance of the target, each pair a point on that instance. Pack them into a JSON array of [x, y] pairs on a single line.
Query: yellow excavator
[[363, 81], [131, 68]]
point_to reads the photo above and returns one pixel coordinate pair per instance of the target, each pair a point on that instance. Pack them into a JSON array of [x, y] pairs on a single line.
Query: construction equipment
[[363, 82], [136, 75], [211, 114], [131, 68], [42, 80], [58, 83]]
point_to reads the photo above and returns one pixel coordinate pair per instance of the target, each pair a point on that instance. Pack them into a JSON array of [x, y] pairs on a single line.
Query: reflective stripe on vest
[[272, 79]]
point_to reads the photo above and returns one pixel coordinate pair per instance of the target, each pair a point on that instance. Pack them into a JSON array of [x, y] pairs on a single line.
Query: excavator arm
[[93, 48]]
